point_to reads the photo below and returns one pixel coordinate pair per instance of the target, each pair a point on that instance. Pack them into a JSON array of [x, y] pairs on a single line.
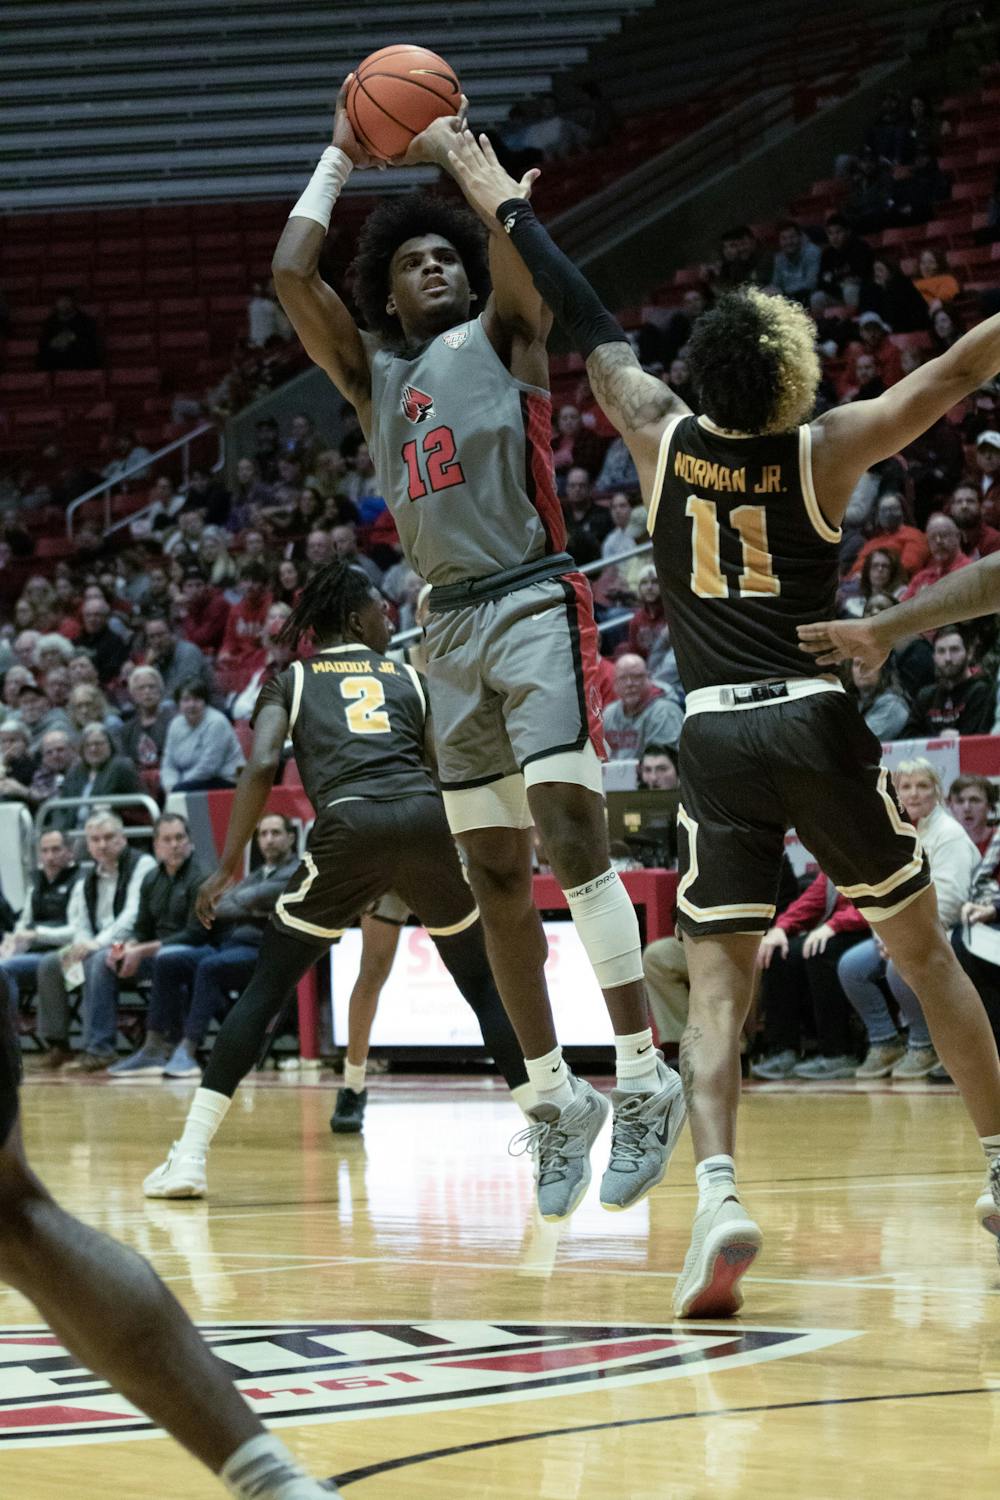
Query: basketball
[[395, 94]]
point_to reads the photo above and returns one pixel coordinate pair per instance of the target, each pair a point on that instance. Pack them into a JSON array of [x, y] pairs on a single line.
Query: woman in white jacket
[[953, 860]]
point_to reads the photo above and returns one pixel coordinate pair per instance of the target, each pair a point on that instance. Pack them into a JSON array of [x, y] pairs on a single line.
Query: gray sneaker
[[149, 1062], [881, 1058], [560, 1142], [821, 1068], [645, 1131], [779, 1065]]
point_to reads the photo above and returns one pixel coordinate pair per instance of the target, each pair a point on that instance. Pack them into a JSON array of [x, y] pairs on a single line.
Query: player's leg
[[379, 941], [958, 1025], [110, 1309]]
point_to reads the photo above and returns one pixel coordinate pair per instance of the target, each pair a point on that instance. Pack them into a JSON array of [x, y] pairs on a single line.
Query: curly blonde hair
[[754, 363]]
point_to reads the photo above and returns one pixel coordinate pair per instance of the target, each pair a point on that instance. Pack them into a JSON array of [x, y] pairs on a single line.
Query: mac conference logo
[[330, 1372]]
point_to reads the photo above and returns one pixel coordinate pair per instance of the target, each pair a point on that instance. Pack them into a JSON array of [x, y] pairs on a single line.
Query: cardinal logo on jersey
[[417, 405]]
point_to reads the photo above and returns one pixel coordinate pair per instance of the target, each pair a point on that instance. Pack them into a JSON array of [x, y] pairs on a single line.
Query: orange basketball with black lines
[[395, 94]]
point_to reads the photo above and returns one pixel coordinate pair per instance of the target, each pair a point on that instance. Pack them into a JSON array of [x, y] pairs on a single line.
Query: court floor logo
[[300, 1372]]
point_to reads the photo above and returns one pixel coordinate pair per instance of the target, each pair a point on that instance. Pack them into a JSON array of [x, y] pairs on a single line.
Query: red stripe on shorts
[[540, 474], [583, 601]]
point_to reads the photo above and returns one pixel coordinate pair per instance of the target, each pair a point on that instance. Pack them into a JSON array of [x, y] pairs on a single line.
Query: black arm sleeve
[[566, 290]]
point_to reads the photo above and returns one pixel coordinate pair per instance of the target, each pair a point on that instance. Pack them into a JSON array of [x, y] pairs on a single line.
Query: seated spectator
[[16, 764], [249, 495], [38, 715], [972, 801], [883, 703], [43, 923], [868, 384], [870, 201], [893, 535], [214, 559], [201, 752], [25, 647], [742, 262], [618, 471], [127, 453], [886, 137], [946, 329], [273, 657], [176, 661], [936, 460], [875, 340], [192, 979], [646, 624], [935, 283], [658, 769], [289, 582], [103, 906], [953, 860], [586, 523], [56, 760], [99, 775], [799, 958], [881, 573], [966, 509], [956, 702], [144, 735], [642, 714], [206, 612], [241, 640], [68, 337], [894, 297], [621, 537], [164, 502], [165, 916], [183, 538], [14, 533], [52, 651], [102, 643], [988, 469], [361, 480], [267, 450], [575, 444], [796, 266], [316, 552], [982, 908], [345, 546], [88, 705], [845, 258], [152, 589], [916, 196], [944, 541], [265, 317], [551, 133]]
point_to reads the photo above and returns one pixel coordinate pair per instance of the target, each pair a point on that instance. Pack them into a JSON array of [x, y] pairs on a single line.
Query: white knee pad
[[609, 929]]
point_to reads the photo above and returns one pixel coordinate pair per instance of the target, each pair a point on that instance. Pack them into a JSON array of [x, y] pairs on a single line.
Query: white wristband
[[324, 187]]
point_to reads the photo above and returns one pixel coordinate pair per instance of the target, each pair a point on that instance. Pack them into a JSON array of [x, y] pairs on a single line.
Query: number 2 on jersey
[[366, 713], [750, 521], [441, 463]]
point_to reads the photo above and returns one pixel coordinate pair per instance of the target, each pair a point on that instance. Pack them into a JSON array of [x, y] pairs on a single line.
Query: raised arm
[[327, 330], [963, 595], [638, 404], [847, 440]]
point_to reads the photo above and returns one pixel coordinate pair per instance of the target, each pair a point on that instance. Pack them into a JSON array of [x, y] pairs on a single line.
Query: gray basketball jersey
[[357, 724], [464, 455]]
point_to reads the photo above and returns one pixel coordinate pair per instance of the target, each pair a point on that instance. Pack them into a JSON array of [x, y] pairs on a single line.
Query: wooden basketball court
[[431, 1338]]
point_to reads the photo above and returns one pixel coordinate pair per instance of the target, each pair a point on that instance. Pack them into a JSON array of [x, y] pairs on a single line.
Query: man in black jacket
[[166, 915], [956, 701], [192, 976], [43, 923]]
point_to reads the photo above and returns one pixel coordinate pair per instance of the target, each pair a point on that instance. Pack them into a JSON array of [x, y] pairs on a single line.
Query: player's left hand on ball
[[433, 144]]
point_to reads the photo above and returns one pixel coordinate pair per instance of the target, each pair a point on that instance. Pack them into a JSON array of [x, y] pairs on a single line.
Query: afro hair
[[754, 364], [405, 218]]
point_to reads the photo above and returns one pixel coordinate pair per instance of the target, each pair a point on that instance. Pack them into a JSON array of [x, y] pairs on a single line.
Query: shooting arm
[[964, 595]]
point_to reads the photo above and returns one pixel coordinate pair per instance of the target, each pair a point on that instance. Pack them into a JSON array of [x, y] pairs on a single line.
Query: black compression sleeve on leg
[[464, 956], [566, 290], [282, 963]]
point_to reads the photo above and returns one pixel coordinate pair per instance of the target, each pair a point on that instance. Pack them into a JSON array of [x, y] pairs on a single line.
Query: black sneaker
[[349, 1116]]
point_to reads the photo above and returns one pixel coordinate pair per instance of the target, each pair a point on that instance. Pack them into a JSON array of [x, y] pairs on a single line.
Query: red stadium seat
[[30, 385], [79, 383], [134, 377]]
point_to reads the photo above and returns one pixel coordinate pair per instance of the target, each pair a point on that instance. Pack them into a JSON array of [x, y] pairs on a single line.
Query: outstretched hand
[[434, 142], [833, 641], [485, 183], [210, 893]]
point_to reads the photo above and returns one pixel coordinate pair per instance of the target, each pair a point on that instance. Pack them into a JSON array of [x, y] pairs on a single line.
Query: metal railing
[[103, 804], [404, 637], [108, 487]]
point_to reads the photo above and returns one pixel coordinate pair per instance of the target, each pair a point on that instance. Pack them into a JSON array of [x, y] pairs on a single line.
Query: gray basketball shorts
[[513, 680]]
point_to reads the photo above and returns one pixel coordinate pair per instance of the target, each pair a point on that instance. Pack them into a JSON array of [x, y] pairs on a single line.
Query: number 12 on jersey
[[440, 468], [750, 522]]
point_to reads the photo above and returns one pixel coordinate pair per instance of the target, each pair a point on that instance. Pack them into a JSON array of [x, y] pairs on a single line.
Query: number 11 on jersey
[[757, 579]]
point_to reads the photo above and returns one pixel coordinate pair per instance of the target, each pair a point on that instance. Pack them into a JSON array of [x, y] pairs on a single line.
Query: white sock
[[354, 1075], [716, 1179], [524, 1097], [263, 1469], [549, 1077], [635, 1063], [207, 1112], [991, 1147]]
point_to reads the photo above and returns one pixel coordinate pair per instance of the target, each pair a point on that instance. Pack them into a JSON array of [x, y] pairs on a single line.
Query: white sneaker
[[988, 1203], [724, 1244], [178, 1177]]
